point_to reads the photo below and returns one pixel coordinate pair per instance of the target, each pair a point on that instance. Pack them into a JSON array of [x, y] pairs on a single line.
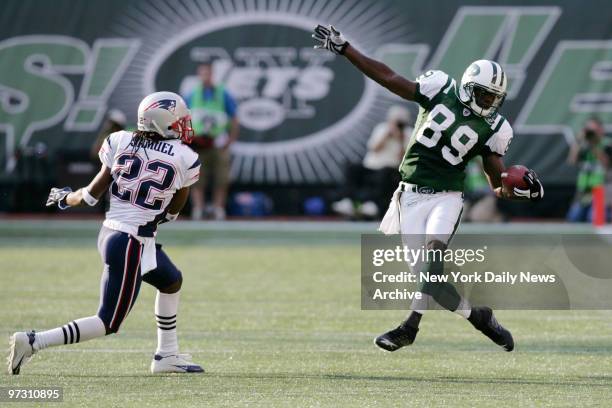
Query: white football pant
[[426, 217], [430, 216]]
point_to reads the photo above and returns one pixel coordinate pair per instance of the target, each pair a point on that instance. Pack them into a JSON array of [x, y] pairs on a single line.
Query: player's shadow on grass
[[579, 381]]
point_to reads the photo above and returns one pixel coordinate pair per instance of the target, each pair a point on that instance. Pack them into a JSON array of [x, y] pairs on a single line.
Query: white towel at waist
[[148, 260], [390, 223]]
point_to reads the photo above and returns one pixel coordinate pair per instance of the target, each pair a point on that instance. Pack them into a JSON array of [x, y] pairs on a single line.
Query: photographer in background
[[370, 184], [591, 153]]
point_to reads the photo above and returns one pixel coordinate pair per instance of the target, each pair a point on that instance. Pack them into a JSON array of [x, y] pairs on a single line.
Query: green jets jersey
[[447, 135]]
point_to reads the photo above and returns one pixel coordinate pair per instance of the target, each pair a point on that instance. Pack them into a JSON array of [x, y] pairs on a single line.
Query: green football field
[[273, 313]]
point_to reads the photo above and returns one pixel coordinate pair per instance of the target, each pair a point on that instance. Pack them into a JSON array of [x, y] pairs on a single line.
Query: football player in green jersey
[[455, 123]]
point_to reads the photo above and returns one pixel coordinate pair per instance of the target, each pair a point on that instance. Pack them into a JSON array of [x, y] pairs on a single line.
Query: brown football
[[513, 177]]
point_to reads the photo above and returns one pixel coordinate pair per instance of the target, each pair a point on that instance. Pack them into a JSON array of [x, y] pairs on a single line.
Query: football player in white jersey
[[148, 172]]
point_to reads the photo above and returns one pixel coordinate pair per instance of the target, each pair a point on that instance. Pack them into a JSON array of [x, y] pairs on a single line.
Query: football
[[513, 177]]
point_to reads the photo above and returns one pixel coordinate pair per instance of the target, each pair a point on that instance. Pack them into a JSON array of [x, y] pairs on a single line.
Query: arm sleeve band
[[88, 198]]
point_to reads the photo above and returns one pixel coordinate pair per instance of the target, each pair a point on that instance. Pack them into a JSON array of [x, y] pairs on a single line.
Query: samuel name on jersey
[[447, 135], [146, 175], [157, 145]]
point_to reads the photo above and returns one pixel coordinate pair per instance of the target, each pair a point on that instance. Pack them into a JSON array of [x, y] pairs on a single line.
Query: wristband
[[62, 204], [88, 198], [343, 48]]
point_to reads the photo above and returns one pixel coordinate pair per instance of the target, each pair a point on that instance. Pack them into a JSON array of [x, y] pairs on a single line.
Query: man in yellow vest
[[214, 121]]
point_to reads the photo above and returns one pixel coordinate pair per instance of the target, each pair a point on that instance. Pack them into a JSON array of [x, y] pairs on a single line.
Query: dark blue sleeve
[[195, 164], [230, 104]]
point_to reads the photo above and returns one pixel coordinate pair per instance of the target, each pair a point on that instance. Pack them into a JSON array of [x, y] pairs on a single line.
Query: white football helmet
[[165, 113], [483, 87]]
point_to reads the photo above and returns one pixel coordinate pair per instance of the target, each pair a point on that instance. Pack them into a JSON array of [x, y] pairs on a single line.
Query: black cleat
[[482, 319], [397, 338]]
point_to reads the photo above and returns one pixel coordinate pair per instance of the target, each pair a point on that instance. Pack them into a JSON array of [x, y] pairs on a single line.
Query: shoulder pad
[[500, 140], [431, 83]]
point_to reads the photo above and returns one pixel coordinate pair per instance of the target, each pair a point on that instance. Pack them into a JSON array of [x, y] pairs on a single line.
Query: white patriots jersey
[[145, 178]]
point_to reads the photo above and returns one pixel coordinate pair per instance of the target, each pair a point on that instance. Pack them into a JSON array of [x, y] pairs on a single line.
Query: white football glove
[[535, 192], [57, 196], [330, 39]]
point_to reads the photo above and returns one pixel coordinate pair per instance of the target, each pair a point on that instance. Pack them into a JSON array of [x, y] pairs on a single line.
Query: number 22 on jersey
[[143, 195]]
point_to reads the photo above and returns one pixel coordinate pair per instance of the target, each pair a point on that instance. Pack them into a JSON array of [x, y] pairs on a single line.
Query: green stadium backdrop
[[303, 113]]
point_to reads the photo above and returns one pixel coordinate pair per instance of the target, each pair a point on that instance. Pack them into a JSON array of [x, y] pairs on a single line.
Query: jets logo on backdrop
[[302, 112], [274, 86]]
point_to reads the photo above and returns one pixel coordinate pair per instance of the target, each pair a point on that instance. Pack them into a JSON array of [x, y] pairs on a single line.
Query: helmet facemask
[[184, 129], [483, 101]]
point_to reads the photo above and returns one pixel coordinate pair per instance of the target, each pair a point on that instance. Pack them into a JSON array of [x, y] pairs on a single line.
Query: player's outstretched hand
[[57, 196], [535, 190], [329, 39]]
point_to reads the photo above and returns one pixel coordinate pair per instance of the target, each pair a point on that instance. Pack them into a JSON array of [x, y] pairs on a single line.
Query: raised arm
[[331, 39], [381, 73]]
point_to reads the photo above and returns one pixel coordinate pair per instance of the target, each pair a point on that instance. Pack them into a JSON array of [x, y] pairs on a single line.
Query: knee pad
[[179, 279], [178, 283]]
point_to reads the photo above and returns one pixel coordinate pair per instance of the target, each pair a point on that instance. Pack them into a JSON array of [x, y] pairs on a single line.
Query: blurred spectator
[[370, 184], [216, 127], [480, 204], [115, 121], [591, 153]]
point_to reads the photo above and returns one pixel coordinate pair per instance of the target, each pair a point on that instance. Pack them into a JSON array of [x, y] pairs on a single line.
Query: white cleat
[[176, 363], [20, 351]]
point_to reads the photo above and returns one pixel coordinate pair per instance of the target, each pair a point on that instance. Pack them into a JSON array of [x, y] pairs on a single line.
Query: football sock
[[79, 330], [166, 307], [413, 320], [464, 309], [474, 318], [444, 293], [423, 304]]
